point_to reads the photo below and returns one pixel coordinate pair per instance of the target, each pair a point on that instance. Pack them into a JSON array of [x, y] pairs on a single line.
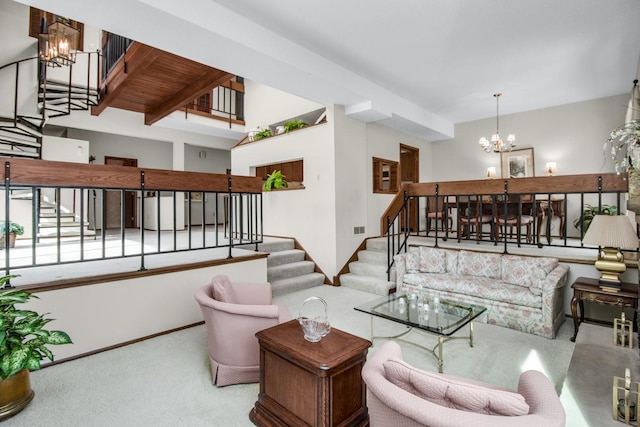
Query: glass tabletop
[[420, 310]]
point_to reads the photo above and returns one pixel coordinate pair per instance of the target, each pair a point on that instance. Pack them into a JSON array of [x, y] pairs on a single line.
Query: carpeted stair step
[[270, 245], [292, 284], [285, 257], [286, 271], [378, 244], [368, 269], [372, 257], [373, 285]]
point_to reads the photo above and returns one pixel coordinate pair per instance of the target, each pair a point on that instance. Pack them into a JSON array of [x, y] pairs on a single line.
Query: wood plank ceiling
[[156, 83]]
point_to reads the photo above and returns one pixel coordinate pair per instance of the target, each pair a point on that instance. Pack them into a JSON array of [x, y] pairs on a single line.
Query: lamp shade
[[491, 172], [551, 168], [611, 231]]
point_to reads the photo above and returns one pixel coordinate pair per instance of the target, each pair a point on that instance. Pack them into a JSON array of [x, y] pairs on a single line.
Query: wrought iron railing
[[225, 102], [94, 192], [544, 211]]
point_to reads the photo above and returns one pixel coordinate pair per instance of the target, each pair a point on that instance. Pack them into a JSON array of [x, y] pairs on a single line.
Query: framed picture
[[517, 163]]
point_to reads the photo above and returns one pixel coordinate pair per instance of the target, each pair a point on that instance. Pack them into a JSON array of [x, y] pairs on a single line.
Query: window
[[385, 176]]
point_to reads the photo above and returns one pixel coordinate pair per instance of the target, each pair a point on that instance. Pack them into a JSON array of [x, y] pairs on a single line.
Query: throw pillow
[[413, 261], [432, 260], [222, 289], [480, 264], [452, 393]]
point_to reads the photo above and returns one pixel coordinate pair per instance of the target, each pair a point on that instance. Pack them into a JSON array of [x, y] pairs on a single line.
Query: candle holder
[[622, 332], [626, 398]]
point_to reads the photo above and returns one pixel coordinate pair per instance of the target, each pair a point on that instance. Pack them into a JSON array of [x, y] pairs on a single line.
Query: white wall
[[307, 214], [351, 172], [384, 143], [105, 314], [571, 135], [265, 105]]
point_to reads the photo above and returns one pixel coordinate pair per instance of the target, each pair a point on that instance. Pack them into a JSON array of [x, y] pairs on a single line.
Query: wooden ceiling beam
[[212, 79], [138, 58]]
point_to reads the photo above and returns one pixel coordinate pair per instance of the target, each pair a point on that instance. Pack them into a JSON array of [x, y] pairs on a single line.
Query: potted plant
[[590, 212], [15, 229], [275, 180], [266, 133], [23, 344], [293, 125]]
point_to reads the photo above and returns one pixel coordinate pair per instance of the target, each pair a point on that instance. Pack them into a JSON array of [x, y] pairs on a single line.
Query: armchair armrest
[[540, 394]]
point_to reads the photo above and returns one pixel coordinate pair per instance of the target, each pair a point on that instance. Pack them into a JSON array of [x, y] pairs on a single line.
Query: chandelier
[[497, 145], [58, 42]]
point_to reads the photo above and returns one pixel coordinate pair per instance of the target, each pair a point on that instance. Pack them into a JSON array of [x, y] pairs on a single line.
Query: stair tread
[[283, 286]]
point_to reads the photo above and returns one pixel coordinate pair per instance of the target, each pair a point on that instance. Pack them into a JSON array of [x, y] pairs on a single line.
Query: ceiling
[[419, 66]]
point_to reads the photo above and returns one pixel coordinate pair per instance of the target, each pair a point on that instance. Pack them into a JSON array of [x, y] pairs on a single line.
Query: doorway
[[410, 173], [113, 199]]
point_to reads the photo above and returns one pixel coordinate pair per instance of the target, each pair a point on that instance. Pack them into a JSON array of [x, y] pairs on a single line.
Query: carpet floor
[[166, 381]]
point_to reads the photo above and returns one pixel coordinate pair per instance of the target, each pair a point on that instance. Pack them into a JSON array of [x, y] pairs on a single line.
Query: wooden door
[[113, 199], [410, 173]]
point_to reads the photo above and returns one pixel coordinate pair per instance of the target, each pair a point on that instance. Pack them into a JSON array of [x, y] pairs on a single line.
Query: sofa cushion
[[477, 287], [480, 264], [412, 261], [432, 260], [223, 290], [528, 272], [450, 392]]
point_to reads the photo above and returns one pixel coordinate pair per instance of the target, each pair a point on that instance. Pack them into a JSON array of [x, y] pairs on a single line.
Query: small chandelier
[[58, 43], [497, 145]]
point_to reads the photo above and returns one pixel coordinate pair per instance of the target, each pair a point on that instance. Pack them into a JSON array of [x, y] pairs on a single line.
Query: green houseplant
[[590, 212], [15, 229], [266, 133], [23, 344], [294, 124], [275, 180]]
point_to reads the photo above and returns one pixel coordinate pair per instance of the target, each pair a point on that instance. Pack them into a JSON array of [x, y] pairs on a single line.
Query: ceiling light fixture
[[58, 42], [497, 145]]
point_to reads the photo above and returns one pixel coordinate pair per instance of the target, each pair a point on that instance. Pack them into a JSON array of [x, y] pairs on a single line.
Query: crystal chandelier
[[497, 145]]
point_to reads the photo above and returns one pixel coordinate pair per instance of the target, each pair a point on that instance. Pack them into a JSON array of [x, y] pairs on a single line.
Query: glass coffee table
[[418, 311]]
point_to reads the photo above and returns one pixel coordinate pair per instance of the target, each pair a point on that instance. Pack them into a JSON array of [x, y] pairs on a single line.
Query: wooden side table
[[310, 384], [588, 289]]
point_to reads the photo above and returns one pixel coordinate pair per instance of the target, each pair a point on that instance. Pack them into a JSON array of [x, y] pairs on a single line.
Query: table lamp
[[611, 233]]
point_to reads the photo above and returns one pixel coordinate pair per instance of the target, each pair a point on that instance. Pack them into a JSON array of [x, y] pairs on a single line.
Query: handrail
[[242, 197], [396, 221]]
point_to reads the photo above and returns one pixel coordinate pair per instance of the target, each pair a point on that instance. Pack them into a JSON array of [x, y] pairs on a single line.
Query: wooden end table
[[589, 289], [310, 384]]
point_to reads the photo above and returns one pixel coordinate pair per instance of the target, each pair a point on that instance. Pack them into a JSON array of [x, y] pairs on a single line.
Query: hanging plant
[[623, 145]]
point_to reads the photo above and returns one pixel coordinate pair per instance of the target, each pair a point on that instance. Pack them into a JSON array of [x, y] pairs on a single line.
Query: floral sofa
[[520, 292]]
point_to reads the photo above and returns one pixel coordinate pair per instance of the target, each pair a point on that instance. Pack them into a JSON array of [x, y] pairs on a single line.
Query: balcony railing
[[543, 211], [82, 212], [225, 102]]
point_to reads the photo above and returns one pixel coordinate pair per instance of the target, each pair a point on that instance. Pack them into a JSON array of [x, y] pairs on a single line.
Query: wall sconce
[[550, 168], [491, 172]]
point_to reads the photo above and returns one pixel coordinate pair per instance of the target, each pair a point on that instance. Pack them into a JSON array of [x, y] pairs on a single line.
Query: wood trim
[[233, 85], [44, 172], [352, 258], [137, 59], [307, 257], [205, 84], [212, 116], [245, 139]]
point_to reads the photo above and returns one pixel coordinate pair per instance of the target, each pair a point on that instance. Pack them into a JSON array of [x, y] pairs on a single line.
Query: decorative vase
[[15, 394], [633, 204]]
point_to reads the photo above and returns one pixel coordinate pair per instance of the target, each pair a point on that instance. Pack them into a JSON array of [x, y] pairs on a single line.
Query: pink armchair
[[233, 313], [400, 395]]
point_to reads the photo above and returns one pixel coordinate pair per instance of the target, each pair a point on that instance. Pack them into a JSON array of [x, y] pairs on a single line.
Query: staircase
[[287, 269], [369, 273]]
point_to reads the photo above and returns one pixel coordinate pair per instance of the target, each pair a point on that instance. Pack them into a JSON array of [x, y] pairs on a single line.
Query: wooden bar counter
[[310, 384]]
